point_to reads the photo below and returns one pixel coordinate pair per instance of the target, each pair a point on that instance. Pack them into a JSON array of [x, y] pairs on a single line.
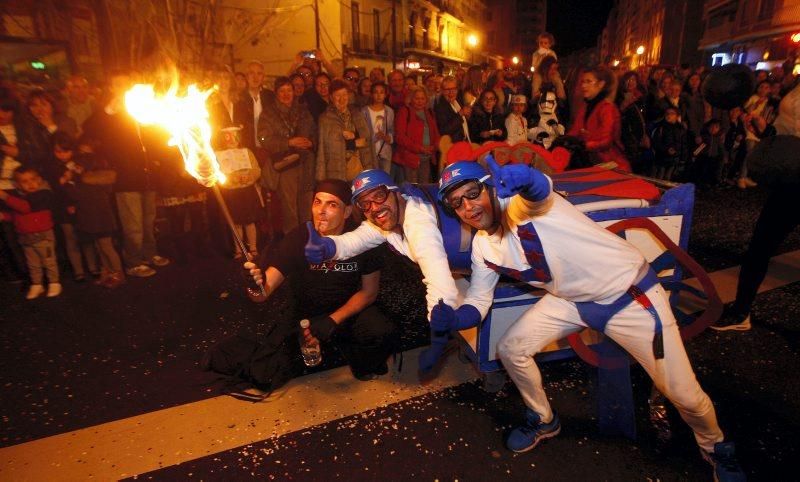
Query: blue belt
[[597, 315]]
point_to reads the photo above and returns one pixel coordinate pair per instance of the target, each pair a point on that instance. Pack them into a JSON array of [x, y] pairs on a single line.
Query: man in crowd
[[451, 117], [253, 102], [593, 278], [336, 296], [80, 104], [397, 90], [116, 137]]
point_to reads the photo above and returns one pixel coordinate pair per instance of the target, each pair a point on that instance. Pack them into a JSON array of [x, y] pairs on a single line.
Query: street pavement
[[82, 371]]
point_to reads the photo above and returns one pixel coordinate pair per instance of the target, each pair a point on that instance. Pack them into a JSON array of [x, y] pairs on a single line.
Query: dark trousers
[[778, 218], [191, 240], [12, 259], [367, 340]]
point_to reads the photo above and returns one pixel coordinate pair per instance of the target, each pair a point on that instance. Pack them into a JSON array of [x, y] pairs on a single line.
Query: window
[[354, 18], [376, 28]]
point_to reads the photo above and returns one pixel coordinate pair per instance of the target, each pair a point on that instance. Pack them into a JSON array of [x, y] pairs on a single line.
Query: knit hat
[[336, 187]]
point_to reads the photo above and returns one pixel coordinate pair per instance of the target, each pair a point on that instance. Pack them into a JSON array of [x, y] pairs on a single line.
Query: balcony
[[755, 24], [369, 44]]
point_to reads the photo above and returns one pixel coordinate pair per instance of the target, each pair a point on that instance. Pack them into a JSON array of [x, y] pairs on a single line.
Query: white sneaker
[[141, 271], [34, 291], [53, 290]]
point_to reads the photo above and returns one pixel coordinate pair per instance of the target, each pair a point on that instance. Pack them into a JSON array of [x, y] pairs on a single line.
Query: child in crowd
[[671, 144], [710, 154], [31, 213], [64, 209], [242, 196], [735, 145], [516, 123], [546, 43], [88, 185]]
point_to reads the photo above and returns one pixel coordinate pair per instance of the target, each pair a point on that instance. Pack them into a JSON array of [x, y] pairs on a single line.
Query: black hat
[[336, 187]]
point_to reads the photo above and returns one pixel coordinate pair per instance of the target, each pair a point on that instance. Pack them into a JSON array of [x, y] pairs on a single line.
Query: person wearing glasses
[[337, 297], [487, 122], [408, 220], [451, 116], [593, 277]]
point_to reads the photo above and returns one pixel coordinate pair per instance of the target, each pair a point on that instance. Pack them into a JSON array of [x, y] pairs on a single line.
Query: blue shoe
[[528, 436], [723, 460]]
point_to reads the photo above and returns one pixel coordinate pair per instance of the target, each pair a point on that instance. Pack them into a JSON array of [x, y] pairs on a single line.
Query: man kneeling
[[336, 296]]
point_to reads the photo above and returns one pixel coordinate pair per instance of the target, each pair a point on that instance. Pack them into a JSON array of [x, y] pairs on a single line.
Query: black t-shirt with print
[[320, 289]]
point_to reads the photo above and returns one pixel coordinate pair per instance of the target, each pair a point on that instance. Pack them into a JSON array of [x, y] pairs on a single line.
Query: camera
[[309, 54]]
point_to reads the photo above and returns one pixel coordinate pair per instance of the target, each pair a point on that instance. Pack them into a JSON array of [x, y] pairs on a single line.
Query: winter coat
[[410, 130], [331, 152], [602, 133]]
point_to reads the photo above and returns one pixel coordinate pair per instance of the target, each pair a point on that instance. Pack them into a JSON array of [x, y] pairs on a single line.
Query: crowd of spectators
[[80, 179]]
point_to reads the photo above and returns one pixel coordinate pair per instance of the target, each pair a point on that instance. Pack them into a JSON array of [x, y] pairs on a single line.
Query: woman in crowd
[[380, 118], [487, 122], [318, 98], [288, 133], [345, 146], [547, 77], [364, 92], [598, 121], [417, 137], [697, 111], [630, 100], [472, 86], [41, 105], [298, 85], [758, 105]]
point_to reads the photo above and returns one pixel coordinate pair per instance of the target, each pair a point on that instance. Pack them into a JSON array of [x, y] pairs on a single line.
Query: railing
[[370, 44]]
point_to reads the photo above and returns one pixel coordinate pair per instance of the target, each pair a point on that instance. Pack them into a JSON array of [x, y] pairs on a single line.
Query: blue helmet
[[370, 179], [459, 172]]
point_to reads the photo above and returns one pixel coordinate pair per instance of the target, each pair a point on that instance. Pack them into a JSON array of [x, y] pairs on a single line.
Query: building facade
[[758, 33], [652, 32]]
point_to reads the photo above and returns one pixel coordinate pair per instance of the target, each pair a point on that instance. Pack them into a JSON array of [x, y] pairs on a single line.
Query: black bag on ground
[[267, 364]]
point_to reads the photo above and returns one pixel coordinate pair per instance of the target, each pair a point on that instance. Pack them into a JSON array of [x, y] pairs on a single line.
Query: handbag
[[354, 166]]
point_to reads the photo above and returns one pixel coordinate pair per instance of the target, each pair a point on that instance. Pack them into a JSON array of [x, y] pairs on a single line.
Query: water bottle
[[312, 354]]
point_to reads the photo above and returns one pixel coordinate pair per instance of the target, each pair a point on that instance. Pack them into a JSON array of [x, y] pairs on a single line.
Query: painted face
[[476, 212], [329, 213], [419, 101], [379, 94], [591, 86], [285, 94], [28, 182], [340, 98], [381, 208]]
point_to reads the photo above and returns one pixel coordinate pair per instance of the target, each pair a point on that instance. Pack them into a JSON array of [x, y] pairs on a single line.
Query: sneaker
[[732, 321], [34, 292], [53, 290], [141, 271], [159, 260], [723, 460], [528, 436]]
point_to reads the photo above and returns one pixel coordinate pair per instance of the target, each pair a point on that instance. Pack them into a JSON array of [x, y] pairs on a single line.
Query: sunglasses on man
[[474, 190], [375, 196]]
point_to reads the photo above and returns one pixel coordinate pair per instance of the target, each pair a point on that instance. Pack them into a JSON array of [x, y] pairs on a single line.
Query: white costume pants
[[632, 328]]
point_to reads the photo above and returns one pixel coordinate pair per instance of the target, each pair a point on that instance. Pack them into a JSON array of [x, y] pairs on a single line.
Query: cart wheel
[[493, 382], [462, 355]]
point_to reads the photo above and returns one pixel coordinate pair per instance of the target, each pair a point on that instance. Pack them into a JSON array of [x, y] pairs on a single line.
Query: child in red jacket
[[32, 215]]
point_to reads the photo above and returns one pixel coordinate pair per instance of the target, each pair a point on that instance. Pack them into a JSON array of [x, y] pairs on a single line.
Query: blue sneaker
[[723, 460], [528, 436]]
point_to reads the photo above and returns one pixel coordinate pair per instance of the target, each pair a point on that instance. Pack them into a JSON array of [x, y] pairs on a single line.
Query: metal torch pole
[[236, 237]]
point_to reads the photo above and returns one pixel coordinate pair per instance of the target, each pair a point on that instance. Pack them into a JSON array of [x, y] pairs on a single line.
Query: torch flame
[[186, 119]]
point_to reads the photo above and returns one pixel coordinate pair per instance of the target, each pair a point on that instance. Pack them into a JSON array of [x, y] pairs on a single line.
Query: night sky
[[576, 24]]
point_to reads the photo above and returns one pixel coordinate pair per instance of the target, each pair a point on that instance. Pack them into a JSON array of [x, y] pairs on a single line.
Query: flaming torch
[[185, 117]]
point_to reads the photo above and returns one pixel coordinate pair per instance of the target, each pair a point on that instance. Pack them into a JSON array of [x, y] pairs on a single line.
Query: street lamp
[[515, 60], [472, 40], [640, 50]]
